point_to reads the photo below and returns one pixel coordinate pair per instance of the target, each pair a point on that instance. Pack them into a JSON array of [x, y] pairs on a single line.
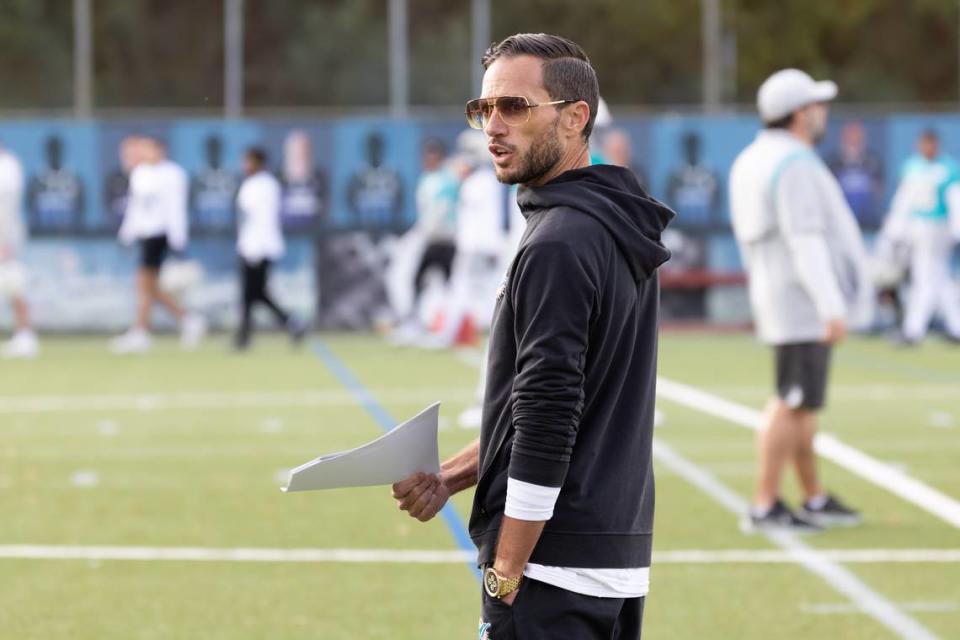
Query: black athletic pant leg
[[437, 255], [255, 290], [545, 612], [282, 316]]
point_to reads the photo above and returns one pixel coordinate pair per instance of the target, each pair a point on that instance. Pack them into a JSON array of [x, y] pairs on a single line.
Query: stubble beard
[[542, 156], [818, 134], [817, 130]]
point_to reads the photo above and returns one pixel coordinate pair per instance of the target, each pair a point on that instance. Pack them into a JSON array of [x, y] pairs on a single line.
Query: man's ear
[[575, 117]]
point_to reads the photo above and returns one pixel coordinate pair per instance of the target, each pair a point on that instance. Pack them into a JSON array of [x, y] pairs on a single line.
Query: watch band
[[498, 586]]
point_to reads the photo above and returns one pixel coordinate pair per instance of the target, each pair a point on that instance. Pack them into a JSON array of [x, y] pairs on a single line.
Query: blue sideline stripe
[[386, 422]]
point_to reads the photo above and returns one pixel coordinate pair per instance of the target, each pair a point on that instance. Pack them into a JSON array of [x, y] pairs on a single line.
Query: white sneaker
[[471, 417], [22, 345], [193, 328], [135, 340]]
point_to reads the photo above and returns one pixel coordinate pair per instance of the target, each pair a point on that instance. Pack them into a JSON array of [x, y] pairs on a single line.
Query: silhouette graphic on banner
[[55, 194], [693, 188], [375, 192], [213, 191]]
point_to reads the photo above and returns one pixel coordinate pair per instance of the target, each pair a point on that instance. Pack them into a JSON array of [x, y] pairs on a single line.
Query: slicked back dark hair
[[567, 72]]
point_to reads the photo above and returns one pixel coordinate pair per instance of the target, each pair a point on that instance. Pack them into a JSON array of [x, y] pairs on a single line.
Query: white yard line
[[842, 580], [407, 556], [197, 554], [783, 556], [846, 609], [222, 400], [879, 473], [856, 391]]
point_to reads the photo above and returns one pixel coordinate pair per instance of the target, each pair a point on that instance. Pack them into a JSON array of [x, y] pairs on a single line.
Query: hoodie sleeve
[[554, 293]]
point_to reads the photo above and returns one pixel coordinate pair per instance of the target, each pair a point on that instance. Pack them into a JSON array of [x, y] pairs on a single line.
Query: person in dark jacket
[[563, 509]]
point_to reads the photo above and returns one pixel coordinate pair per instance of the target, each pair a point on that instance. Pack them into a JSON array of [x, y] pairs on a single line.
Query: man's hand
[[836, 331], [421, 495]]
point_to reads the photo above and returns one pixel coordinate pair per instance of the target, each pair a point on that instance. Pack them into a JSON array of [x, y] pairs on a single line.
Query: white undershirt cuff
[[530, 502]]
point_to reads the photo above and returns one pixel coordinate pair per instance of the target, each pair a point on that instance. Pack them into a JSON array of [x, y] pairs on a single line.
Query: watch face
[[491, 583]]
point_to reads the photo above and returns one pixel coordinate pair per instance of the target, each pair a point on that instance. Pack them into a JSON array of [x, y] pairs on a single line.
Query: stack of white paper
[[404, 450]]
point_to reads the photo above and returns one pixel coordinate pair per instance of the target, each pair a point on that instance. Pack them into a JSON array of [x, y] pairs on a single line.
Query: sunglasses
[[513, 110]]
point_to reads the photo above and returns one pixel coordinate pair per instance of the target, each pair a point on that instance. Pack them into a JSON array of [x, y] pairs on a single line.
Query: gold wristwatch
[[497, 585]]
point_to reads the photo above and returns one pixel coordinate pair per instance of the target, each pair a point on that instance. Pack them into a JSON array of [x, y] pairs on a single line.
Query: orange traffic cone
[[467, 333]]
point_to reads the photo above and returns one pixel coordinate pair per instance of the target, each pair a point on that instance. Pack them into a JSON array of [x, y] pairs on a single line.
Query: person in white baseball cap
[[790, 90], [808, 282]]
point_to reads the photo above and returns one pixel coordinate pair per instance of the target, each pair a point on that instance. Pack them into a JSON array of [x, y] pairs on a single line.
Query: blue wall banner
[[347, 178], [361, 173]]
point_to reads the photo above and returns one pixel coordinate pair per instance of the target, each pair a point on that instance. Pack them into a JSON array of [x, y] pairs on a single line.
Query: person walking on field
[[808, 282], [260, 243], [156, 219]]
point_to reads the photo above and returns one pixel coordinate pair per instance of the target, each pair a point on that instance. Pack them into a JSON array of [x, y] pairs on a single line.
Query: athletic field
[[139, 497]]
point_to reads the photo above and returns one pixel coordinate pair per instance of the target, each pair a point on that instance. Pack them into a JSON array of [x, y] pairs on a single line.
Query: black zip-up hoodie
[[572, 370]]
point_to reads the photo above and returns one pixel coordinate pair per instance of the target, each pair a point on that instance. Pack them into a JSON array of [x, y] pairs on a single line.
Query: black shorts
[[152, 252], [802, 372]]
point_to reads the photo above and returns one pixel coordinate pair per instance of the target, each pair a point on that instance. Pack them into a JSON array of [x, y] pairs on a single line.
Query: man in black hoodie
[[563, 510]]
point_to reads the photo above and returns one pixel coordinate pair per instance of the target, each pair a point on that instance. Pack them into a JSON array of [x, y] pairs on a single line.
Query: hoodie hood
[[612, 196]]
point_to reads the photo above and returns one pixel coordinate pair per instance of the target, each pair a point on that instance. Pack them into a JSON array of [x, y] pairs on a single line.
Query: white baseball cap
[[790, 89]]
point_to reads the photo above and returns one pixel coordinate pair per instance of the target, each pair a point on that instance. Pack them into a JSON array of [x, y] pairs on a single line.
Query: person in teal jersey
[[429, 245], [926, 200]]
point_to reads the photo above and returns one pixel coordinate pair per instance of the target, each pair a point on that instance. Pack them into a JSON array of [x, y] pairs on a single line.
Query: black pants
[[255, 290], [437, 255], [544, 612]]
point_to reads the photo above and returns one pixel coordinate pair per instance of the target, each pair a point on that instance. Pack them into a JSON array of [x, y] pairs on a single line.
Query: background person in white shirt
[[259, 243], [481, 235], [427, 248], [156, 219], [808, 279], [12, 274], [926, 201]]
